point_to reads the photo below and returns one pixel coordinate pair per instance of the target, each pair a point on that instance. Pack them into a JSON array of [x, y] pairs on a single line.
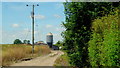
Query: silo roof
[[50, 33]]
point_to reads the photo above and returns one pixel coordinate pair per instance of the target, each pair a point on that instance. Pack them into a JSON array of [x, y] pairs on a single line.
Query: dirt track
[[47, 60]]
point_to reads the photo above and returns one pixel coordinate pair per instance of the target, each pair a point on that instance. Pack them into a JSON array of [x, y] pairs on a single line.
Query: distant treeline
[[92, 35], [18, 41]]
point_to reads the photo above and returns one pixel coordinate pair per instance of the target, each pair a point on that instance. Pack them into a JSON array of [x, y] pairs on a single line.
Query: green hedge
[[105, 41]]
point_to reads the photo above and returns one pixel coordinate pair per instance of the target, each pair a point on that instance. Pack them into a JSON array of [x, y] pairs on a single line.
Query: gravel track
[[47, 60]]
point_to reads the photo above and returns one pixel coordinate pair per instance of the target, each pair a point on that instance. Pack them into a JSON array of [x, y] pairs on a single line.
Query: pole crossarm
[[32, 5]]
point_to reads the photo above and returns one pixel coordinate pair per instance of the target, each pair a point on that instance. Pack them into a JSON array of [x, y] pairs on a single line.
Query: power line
[[38, 31], [27, 34], [27, 30]]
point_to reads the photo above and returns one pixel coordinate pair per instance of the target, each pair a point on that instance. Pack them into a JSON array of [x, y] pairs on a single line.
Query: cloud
[[48, 26], [56, 15], [39, 16], [15, 25]]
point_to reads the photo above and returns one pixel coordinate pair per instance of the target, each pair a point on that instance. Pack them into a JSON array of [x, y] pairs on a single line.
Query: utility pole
[[32, 16]]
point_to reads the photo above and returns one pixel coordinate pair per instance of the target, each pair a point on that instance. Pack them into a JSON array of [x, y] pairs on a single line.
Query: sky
[[33, 0], [17, 23], [0, 22], [15, 20]]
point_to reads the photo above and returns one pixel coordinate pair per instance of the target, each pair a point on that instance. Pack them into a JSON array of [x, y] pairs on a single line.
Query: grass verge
[[62, 60]]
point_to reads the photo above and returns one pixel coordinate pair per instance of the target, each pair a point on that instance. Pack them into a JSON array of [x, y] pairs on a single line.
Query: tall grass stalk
[[13, 53]]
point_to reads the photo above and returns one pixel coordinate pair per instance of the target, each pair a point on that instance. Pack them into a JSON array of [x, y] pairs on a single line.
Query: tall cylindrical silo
[[49, 39]]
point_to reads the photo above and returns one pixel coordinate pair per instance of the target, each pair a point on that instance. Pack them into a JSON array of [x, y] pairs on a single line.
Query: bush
[[105, 41]]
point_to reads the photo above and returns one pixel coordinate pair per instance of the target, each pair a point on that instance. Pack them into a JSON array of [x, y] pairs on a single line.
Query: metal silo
[[49, 39]]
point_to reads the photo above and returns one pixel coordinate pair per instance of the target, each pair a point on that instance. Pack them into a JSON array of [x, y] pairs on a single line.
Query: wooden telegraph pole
[[32, 16]]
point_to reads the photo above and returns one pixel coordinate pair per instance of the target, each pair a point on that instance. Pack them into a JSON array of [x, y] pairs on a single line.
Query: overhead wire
[[27, 32], [37, 29]]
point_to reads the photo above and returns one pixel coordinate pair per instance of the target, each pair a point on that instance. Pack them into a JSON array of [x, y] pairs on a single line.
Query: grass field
[[12, 53]]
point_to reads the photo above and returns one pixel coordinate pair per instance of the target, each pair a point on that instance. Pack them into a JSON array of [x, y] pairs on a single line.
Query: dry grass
[[13, 53], [42, 50], [0, 60]]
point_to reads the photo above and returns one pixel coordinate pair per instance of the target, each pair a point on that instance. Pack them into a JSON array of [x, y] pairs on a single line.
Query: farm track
[[47, 60]]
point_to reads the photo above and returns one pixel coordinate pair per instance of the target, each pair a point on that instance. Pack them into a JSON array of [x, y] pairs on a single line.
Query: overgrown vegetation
[[78, 23], [62, 61], [105, 41], [12, 53]]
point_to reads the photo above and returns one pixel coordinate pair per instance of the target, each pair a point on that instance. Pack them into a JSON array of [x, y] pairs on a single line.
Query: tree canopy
[[17, 41]]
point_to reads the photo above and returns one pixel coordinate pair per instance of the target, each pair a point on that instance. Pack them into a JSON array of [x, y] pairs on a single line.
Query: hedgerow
[[105, 41]]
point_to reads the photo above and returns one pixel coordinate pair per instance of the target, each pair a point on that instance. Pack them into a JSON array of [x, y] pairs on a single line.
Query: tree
[[17, 41], [26, 41], [59, 44], [79, 16]]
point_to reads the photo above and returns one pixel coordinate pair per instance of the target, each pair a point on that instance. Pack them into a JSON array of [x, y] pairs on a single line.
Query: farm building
[[40, 43]]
